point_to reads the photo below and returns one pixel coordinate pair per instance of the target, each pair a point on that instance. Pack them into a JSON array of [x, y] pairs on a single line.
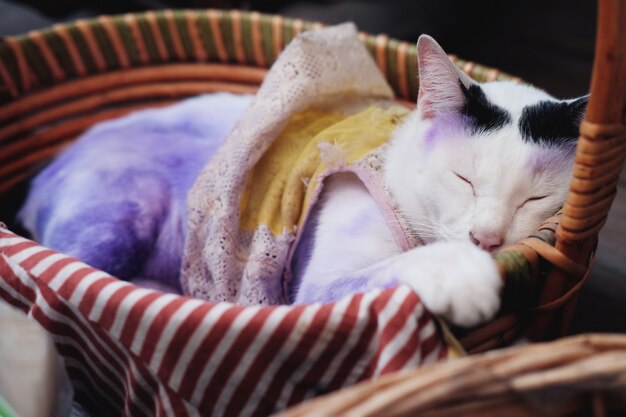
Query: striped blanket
[[137, 352]]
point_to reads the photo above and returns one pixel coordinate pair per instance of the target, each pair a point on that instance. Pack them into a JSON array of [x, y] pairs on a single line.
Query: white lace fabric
[[327, 68]]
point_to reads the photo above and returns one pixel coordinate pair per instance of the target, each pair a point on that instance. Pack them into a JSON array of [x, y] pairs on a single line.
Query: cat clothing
[[307, 122]]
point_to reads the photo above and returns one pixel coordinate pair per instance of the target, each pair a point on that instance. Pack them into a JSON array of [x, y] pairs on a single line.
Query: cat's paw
[[455, 280]]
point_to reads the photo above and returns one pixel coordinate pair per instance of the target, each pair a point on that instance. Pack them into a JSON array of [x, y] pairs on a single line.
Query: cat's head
[[485, 162]]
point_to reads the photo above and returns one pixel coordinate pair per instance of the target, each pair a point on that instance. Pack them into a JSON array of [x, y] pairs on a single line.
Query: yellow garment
[[279, 188]]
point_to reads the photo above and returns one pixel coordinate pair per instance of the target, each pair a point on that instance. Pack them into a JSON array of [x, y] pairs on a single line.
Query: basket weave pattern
[[56, 83], [584, 375]]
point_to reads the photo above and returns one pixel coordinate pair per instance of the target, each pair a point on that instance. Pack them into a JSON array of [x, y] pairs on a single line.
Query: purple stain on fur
[[360, 220], [327, 292], [391, 283], [116, 198], [553, 159], [336, 289], [432, 134], [446, 126]]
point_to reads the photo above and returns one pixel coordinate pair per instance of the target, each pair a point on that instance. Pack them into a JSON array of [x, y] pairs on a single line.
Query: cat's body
[[473, 168], [117, 197]]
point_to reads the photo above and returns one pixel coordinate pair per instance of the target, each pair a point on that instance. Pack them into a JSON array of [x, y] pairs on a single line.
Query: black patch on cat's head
[[483, 114], [552, 122]]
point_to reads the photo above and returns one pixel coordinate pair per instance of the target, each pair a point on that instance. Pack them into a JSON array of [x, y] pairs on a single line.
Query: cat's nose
[[485, 240]]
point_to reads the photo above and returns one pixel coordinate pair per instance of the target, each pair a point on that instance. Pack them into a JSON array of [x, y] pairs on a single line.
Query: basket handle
[[602, 144], [599, 159]]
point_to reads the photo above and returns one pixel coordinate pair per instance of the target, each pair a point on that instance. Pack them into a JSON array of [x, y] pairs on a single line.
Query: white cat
[[474, 168]]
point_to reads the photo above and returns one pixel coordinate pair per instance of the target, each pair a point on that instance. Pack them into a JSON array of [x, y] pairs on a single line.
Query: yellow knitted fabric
[[280, 186]]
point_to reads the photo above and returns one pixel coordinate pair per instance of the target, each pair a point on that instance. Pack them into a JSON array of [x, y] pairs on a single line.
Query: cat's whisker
[[431, 228]]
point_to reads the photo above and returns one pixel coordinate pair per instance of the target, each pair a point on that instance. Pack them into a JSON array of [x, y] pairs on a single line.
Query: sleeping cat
[[474, 168]]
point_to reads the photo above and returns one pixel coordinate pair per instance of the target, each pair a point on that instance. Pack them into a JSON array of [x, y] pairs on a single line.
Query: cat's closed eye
[[528, 200], [464, 179]]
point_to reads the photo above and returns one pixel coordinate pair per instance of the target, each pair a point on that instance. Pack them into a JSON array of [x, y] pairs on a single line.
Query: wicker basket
[[56, 83], [577, 376]]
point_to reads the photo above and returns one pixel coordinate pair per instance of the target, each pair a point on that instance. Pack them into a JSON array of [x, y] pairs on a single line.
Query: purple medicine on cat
[[557, 159], [116, 199], [446, 126]]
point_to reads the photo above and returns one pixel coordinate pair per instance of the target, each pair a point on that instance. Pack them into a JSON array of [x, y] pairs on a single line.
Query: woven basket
[[578, 376], [56, 83]]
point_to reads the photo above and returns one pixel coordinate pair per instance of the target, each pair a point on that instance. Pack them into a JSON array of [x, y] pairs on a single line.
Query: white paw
[[455, 280]]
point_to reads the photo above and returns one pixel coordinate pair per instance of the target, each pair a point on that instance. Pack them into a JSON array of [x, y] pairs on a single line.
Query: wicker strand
[[92, 44], [257, 41], [72, 49], [174, 33], [55, 68], [562, 300], [138, 41], [142, 39], [240, 54], [593, 364], [26, 75], [73, 128], [52, 141], [381, 51], [99, 83], [200, 53], [402, 72], [8, 82], [114, 37], [584, 216], [298, 26], [151, 18], [214, 20], [119, 95], [553, 255], [277, 34]]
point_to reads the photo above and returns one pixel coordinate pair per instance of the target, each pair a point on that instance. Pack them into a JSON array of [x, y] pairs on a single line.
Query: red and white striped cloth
[[139, 352]]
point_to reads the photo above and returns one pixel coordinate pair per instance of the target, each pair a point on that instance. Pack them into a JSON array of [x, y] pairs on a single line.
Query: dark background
[[546, 42]]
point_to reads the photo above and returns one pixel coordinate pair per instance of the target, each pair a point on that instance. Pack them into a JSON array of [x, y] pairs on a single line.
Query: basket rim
[[61, 57], [45, 57]]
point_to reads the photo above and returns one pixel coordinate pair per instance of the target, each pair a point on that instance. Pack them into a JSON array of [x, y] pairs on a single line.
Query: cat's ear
[[578, 107], [440, 80]]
